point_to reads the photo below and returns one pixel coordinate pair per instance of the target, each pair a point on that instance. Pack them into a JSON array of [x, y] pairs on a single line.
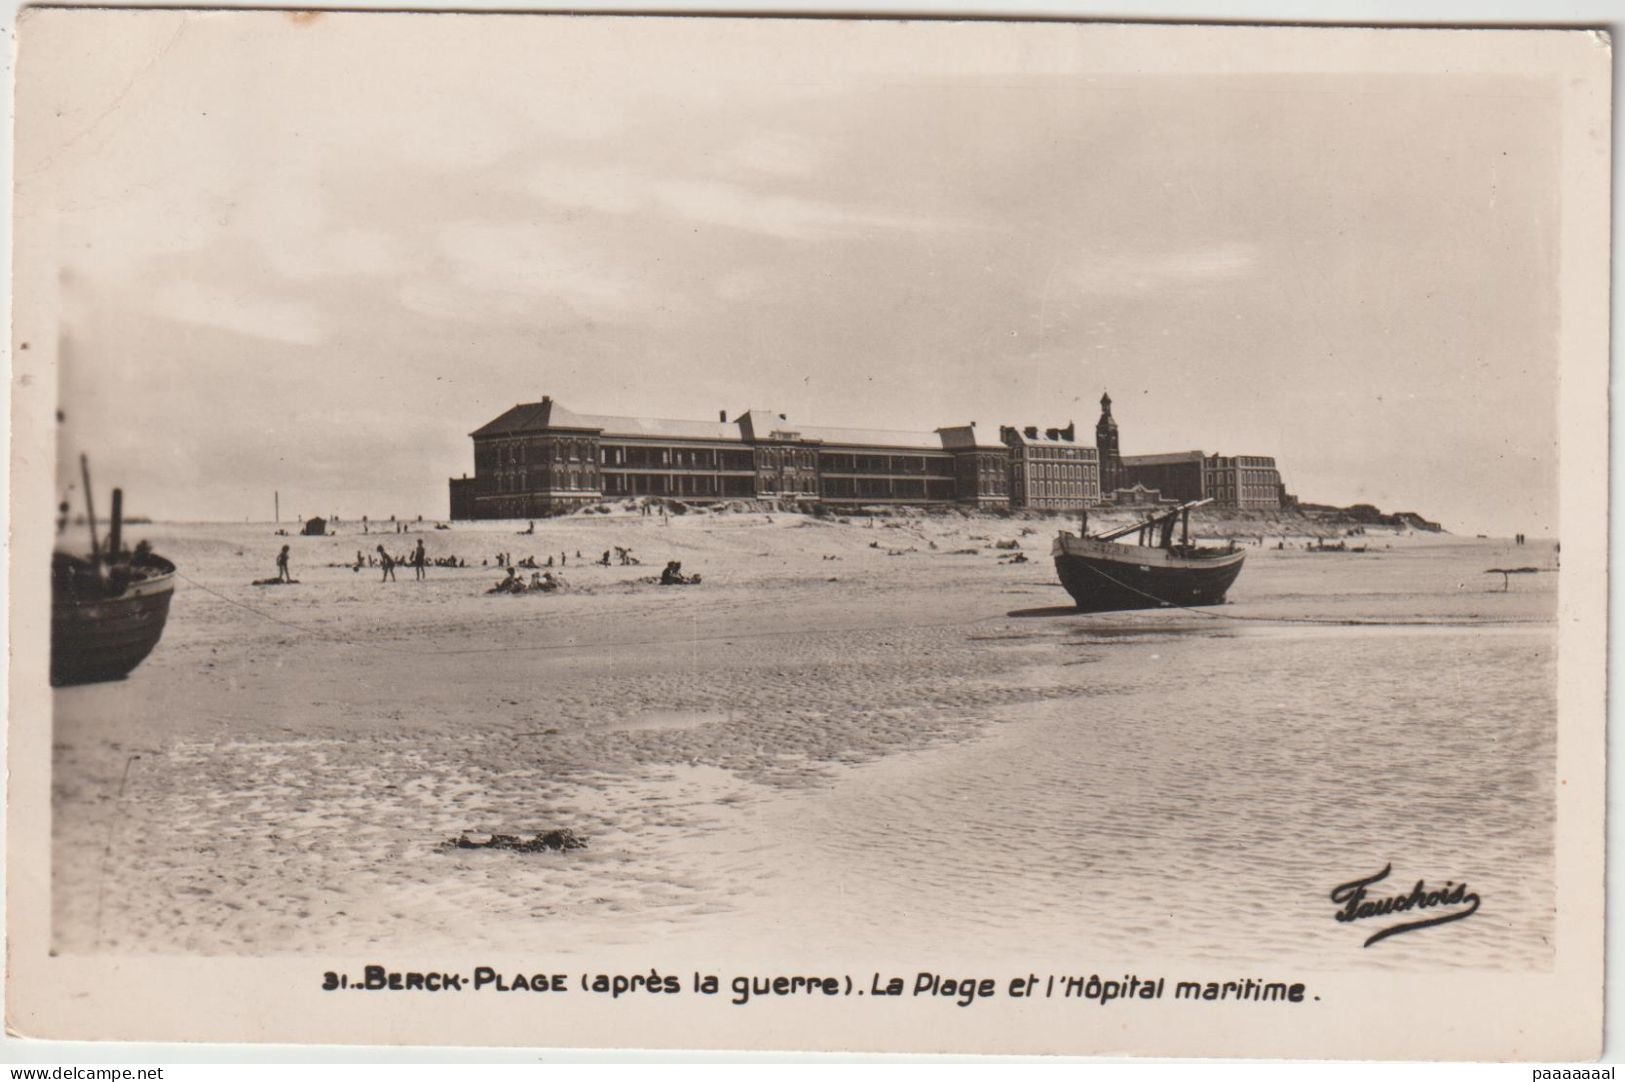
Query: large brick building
[[1051, 472], [540, 458]]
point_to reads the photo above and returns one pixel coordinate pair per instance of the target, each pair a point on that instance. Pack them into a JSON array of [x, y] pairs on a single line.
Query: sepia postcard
[[810, 535]]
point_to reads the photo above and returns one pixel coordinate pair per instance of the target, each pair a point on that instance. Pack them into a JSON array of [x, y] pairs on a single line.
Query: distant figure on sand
[[282, 566], [387, 562], [420, 560], [360, 561]]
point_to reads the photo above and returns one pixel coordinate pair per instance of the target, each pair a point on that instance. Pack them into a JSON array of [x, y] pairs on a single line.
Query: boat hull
[[1105, 577], [94, 639]]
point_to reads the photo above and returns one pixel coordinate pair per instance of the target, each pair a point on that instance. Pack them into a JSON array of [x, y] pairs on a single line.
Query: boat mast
[[1147, 527], [90, 515], [90, 512], [115, 538]]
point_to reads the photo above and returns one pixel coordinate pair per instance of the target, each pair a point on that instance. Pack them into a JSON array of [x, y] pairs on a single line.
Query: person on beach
[[420, 560], [282, 566], [387, 562]]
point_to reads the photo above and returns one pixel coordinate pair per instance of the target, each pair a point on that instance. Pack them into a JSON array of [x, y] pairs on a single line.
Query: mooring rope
[[251, 608]]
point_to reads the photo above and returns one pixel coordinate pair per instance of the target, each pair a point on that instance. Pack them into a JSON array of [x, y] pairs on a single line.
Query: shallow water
[[1201, 801]]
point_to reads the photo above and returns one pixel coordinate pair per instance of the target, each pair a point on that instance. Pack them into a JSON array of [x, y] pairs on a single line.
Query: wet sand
[[822, 741]]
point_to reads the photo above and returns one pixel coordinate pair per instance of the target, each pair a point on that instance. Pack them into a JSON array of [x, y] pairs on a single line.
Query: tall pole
[[115, 540], [90, 514]]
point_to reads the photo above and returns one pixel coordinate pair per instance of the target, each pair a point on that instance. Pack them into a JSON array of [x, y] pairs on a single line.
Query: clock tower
[[1111, 460]]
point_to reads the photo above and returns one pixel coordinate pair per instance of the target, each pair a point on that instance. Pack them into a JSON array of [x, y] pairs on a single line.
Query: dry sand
[[281, 774]]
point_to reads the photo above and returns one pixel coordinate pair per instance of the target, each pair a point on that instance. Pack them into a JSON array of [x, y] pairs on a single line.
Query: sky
[[309, 254]]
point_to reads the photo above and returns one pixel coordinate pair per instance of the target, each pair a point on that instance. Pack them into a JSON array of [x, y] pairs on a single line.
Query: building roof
[[1044, 441], [659, 427], [874, 437], [525, 417], [965, 438], [753, 424], [1170, 459], [548, 414]]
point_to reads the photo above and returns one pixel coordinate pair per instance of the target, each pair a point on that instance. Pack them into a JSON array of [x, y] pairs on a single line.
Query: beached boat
[[1104, 575], [107, 611], [104, 626]]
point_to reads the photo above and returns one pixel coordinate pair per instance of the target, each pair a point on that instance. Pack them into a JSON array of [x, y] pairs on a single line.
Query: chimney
[[722, 415], [1070, 432], [1052, 433], [1031, 431]]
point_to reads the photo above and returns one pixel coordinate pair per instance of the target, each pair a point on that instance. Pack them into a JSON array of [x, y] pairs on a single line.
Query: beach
[[861, 735]]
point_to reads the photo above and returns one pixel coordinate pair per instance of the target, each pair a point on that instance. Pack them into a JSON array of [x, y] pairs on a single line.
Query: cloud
[[239, 310], [774, 153], [735, 206], [730, 204], [488, 269], [1130, 273]]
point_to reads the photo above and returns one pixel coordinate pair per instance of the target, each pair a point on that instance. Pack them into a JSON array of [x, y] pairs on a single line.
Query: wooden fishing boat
[[1104, 575], [108, 611], [104, 626]]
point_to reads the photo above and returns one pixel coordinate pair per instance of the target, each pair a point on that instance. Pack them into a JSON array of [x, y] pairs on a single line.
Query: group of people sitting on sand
[[673, 575], [540, 582]]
